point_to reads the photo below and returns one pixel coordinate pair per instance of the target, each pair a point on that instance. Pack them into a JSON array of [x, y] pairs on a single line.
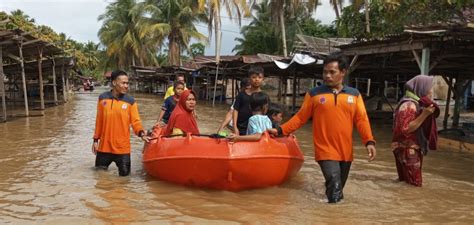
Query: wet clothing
[[103, 160], [258, 124], [181, 117], [113, 120], [409, 148], [168, 107], [242, 105], [334, 116], [335, 173], [409, 162]]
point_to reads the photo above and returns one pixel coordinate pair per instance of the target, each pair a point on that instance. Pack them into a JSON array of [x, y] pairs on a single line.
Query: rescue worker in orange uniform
[[116, 111], [334, 109]]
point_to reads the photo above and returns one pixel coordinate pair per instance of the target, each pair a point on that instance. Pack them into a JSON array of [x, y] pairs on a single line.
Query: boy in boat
[[242, 111], [259, 122], [169, 104], [228, 122]]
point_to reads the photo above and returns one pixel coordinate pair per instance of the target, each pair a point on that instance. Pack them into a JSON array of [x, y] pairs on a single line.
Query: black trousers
[[103, 160], [335, 173]]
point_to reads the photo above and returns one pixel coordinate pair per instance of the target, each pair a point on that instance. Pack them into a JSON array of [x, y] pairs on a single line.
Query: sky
[[78, 19]]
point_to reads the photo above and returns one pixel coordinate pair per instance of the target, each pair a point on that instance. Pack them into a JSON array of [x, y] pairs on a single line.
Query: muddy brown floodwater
[[47, 177]]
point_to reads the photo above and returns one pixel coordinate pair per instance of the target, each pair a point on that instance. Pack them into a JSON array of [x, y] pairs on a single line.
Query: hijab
[[182, 117]]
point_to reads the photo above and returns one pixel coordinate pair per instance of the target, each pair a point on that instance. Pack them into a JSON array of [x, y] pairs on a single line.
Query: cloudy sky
[[78, 19]]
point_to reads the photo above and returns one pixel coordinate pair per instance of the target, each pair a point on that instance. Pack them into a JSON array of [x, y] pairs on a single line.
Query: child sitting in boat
[[275, 114], [182, 119], [169, 104], [259, 122]]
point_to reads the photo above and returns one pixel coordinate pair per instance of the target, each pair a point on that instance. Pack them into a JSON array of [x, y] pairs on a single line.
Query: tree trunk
[[367, 17], [336, 9], [174, 51], [283, 33]]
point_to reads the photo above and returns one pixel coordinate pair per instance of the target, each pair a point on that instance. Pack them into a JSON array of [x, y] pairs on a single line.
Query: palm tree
[[173, 19], [337, 5], [280, 7], [120, 34], [235, 9], [258, 36]]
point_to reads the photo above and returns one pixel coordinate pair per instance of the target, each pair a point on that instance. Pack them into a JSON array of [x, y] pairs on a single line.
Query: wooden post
[[294, 93], [233, 88], [215, 85], [396, 88], [298, 87], [40, 77], [448, 101], [67, 87], [207, 87], [2, 86], [55, 90], [425, 61], [458, 87], [368, 86], [23, 78], [279, 88], [64, 82]]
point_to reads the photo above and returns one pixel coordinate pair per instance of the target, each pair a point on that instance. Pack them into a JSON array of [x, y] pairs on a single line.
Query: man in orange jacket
[[116, 111], [335, 109]]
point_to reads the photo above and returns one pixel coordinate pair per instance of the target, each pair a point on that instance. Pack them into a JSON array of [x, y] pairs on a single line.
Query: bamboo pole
[[55, 90], [23, 78], [2, 83]]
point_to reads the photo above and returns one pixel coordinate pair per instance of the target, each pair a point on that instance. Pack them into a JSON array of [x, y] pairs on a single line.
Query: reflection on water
[[46, 176]]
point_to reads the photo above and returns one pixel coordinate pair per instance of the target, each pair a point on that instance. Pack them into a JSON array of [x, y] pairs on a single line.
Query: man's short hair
[[117, 73], [255, 70], [180, 75], [338, 57]]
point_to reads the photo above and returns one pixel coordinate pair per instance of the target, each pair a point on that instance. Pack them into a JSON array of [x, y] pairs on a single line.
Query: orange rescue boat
[[216, 163]]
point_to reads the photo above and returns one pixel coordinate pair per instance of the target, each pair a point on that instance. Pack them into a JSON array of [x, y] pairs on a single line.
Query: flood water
[[47, 177]]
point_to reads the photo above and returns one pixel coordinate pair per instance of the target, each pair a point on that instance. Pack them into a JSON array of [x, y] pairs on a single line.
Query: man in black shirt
[[242, 111]]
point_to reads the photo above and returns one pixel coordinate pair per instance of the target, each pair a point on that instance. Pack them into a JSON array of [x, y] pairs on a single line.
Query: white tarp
[[301, 59]]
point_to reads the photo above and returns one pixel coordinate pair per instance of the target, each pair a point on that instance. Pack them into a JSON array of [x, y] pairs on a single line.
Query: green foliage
[[262, 35], [390, 17], [197, 49], [85, 55]]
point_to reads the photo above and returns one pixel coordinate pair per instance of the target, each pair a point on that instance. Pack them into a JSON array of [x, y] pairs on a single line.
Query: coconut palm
[[235, 9], [120, 34], [280, 7], [173, 20]]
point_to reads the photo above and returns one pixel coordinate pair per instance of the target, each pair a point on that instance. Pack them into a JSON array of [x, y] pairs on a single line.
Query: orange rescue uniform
[[334, 115], [112, 126]]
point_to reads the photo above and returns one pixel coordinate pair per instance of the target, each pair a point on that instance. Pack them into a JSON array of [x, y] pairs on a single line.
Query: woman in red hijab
[[182, 117], [414, 128]]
